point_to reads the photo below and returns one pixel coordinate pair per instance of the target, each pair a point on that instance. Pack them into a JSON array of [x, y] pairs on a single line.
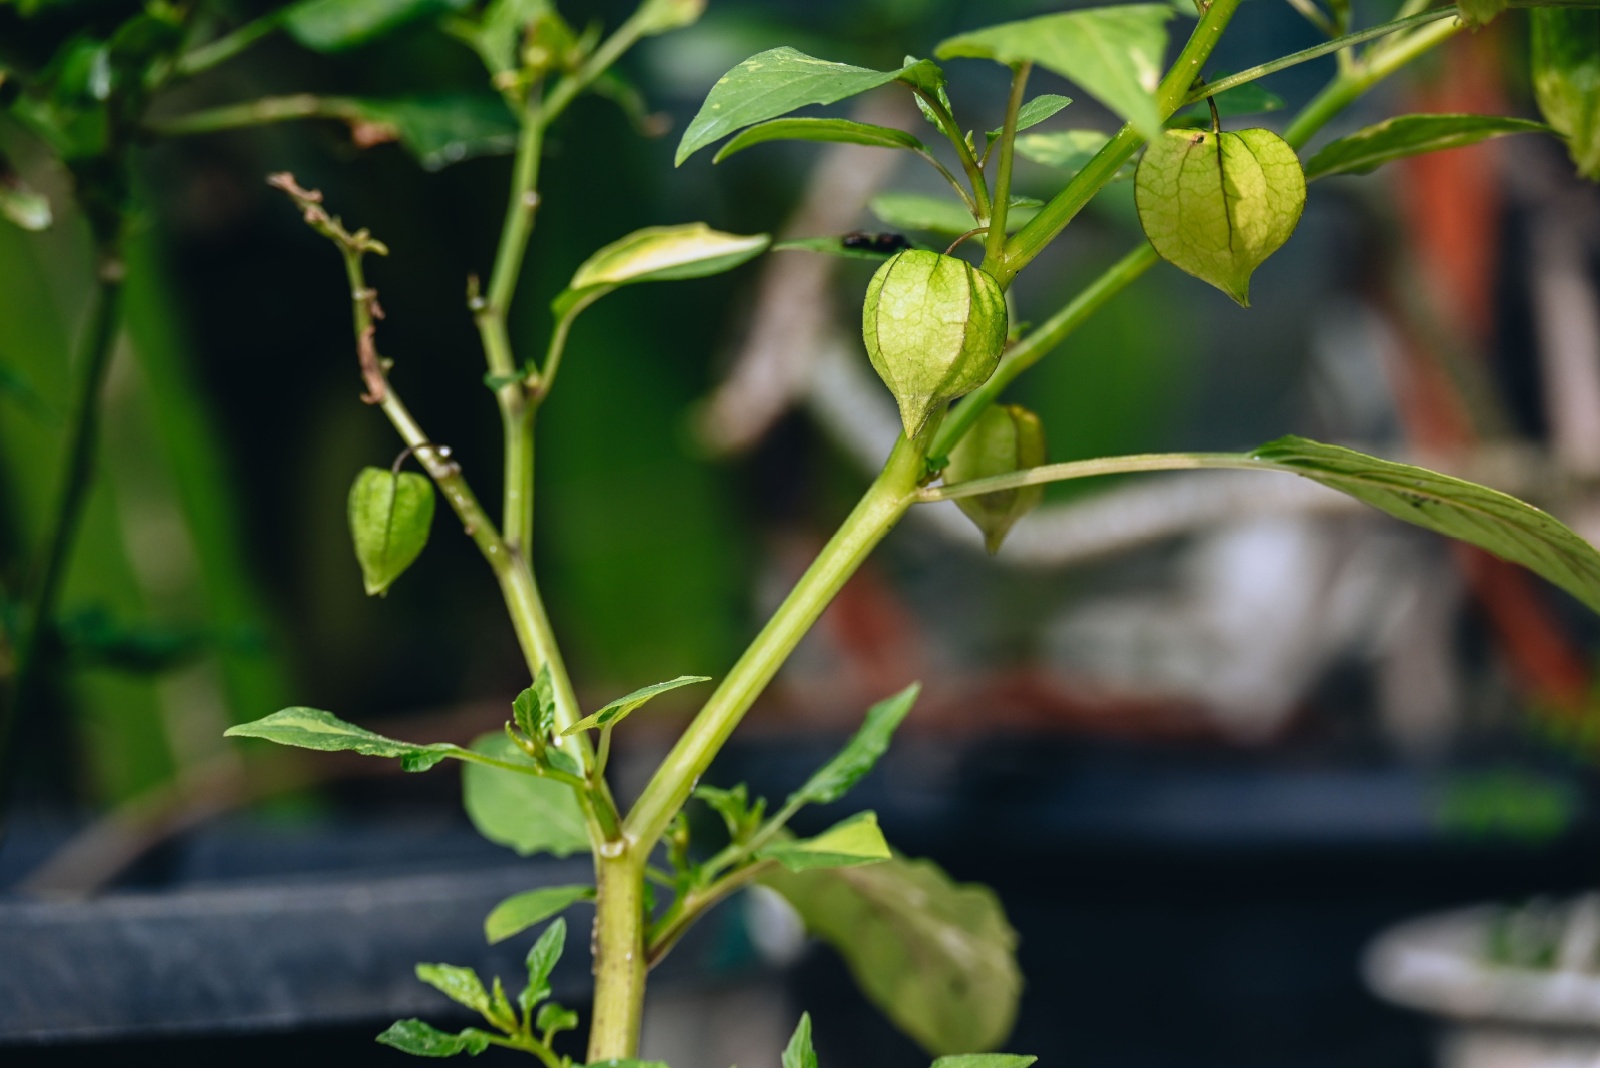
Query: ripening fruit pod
[[1005, 438], [390, 513], [935, 327]]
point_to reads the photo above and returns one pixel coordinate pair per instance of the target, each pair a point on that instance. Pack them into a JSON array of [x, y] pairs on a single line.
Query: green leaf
[[937, 957], [1475, 514], [554, 1018], [389, 519], [534, 710], [915, 211], [799, 1052], [498, 33], [420, 1040], [311, 728], [337, 25], [1034, 112], [1410, 135], [1476, 13], [844, 131], [459, 984], [622, 706], [1218, 206], [741, 818], [658, 254], [774, 83], [1114, 53], [985, 1060], [524, 812], [835, 778], [1069, 149], [542, 959], [1566, 79], [856, 840], [1251, 98], [519, 912], [441, 128]]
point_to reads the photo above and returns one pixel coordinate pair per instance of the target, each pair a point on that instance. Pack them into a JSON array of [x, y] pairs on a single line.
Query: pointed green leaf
[[856, 840], [534, 710], [524, 812], [658, 254], [1114, 53], [555, 1018], [1034, 112], [459, 984], [915, 211], [1566, 79], [774, 83], [937, 957], [1218, 206], [985, 1060], [843, 131], [835, 778], [1410, 135], [312, 728], [420, 1040], [1483, 517], [438, 129], [799, 1052], [622, 706], [542, 960], [389, 519], [337, 25], [519, 912]]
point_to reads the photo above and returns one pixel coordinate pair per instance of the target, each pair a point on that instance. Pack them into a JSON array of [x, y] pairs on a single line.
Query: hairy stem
[[946, 123], [1110, 465], [620, 964], [879, 509]]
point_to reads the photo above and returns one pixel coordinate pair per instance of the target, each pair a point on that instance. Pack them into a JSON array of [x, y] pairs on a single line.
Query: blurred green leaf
[[799, 1053], [21, 205], [554, 1018], [854, 841], [1217, 205], [916, 211], [1251, 98], [519, 912], [1475, 514], [775, 83], [623, 706], [337, 25], [443, 128], [1566, 79], [985, 1060], [1410, 135], [937, 957], [459, 984], [741, 818], [835, 778], [1069, 150], [311, 728], [1114, 53], [663, 16], [867, 248], [844, 131], [523, 812], [421, 1040]]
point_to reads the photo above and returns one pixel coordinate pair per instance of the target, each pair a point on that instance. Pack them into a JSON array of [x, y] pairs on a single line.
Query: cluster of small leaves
[[530, 1024]]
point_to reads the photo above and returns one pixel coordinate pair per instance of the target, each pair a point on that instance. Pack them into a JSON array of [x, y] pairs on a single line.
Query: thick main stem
[[60, 534], [620, 964], [879, 509]]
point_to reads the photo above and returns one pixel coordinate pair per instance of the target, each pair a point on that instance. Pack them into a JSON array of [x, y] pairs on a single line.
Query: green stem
[[77, 475], [1109, 465], [259, 112], [1043, 228], [227, 46], [995, 243], [946, 123], [879, 509], [620, 964], [1347, 87], [697, 903]]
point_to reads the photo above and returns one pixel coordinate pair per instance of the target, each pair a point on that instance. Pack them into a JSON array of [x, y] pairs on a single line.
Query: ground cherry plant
[[1215, 197]]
